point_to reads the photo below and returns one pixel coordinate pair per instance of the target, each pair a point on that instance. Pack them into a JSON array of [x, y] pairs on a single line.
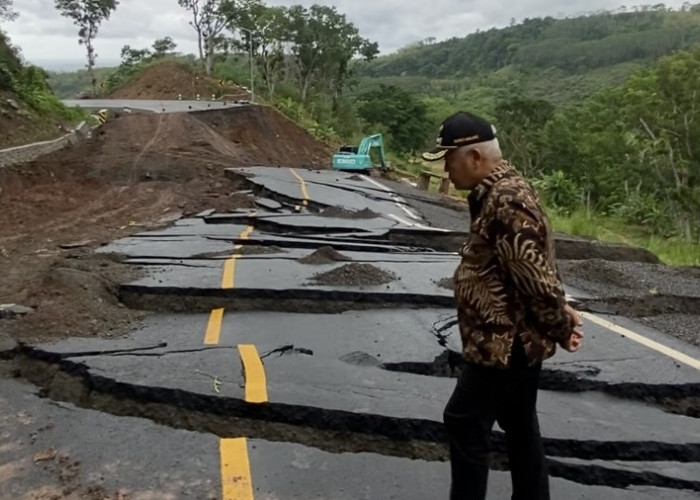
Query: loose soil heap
[[354, 275], [138, 172], [169, 80], [267, 137], [344, 213], [324, 255]]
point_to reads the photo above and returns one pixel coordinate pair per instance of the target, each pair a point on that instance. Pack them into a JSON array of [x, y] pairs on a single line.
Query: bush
[[644, 209], [558, 191], [7, 78]]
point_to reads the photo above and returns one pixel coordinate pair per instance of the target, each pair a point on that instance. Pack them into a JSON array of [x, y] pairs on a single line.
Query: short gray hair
[[491, 150]]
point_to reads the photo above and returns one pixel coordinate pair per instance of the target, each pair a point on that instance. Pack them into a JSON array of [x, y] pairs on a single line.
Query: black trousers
[[483, 396]]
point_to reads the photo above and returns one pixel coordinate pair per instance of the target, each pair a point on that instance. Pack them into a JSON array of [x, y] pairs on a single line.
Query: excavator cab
[[351, 158]]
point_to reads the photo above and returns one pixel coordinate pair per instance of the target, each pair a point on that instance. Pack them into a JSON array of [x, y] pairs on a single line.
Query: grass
[[672, 251]]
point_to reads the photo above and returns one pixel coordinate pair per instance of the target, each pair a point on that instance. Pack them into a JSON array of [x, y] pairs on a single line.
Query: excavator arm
[[350, 159], [370, 142]]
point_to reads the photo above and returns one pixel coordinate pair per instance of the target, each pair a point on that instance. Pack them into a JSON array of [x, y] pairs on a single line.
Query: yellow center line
[[678, 356], [227, 281], [255, 384], [236, 483], [214, 327], [304, 193]]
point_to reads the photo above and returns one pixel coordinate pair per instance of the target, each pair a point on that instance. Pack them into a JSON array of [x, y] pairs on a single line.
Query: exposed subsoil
[[324, 255], [23, 125], [354, 274], [137, 173], [170, 80]]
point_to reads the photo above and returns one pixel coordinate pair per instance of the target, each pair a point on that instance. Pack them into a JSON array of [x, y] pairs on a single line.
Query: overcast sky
[[49, 40]]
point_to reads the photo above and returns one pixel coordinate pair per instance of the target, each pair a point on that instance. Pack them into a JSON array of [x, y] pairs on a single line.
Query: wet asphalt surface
[[343, 394]]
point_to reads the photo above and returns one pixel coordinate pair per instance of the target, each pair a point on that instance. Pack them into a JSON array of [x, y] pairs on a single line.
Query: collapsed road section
[[305, 348]]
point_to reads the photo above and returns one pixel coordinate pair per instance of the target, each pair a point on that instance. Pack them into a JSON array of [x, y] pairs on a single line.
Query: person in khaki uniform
[[511, 310]]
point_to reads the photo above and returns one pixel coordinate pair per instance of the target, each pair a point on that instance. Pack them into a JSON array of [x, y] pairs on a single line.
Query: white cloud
[[44, 35]]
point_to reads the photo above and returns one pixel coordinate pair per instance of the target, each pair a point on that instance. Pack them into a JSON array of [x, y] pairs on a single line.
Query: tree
[[163, 46], [324, 42], [209, 19], [267, 29], [87, 15], [401, 113], [6, 12], [520, 125], [132, 57]]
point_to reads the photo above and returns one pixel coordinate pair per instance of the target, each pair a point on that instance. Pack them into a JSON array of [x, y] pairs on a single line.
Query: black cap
[[460, 129]]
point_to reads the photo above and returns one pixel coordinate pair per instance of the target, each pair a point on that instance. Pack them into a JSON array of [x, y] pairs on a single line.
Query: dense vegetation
[[601, 111], [27, 88], [574, 44]]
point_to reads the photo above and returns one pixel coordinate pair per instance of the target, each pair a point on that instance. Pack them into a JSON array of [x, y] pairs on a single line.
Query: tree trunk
[[210, 59], [199, 43], [305, 88]]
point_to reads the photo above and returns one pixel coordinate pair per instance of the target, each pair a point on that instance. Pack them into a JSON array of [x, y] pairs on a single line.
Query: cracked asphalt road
[[193, 404]]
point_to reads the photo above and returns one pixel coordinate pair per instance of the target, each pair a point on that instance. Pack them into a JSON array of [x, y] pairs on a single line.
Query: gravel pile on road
[[324, 255], [682, 326], [354, 275], [627, 279], [258, 250], [344, 213]]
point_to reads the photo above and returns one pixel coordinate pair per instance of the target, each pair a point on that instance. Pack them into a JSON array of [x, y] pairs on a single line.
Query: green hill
[[572, 44], [555, 59]]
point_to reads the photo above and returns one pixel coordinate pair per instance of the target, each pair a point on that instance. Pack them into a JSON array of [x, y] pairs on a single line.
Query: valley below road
[[209, 312]]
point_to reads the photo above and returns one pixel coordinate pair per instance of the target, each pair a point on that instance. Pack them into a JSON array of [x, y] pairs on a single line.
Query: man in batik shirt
[[512, 313]]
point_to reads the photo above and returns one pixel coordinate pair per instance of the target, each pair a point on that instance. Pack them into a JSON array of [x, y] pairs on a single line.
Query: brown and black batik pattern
[[507, 283]]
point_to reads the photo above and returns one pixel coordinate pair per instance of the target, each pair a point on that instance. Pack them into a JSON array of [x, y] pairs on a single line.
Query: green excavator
[[357, 157]]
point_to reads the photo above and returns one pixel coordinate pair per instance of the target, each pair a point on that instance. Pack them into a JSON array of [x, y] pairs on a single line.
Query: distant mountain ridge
[[575, 44]]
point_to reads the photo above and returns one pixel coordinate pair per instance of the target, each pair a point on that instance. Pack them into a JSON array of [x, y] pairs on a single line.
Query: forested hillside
[[577, 44]]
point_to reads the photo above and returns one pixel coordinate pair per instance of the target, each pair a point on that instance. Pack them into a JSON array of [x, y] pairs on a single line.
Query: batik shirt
[[507, 283]]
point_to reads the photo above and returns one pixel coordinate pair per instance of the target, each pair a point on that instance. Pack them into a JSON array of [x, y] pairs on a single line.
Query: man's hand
[[576, 340]]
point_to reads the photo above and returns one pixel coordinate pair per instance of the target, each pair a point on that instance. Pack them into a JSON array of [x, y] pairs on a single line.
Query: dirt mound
[[74, 277], [264, 136], [344, 213], [324, 255], [169, 80], [354, 275], [259, 250]]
